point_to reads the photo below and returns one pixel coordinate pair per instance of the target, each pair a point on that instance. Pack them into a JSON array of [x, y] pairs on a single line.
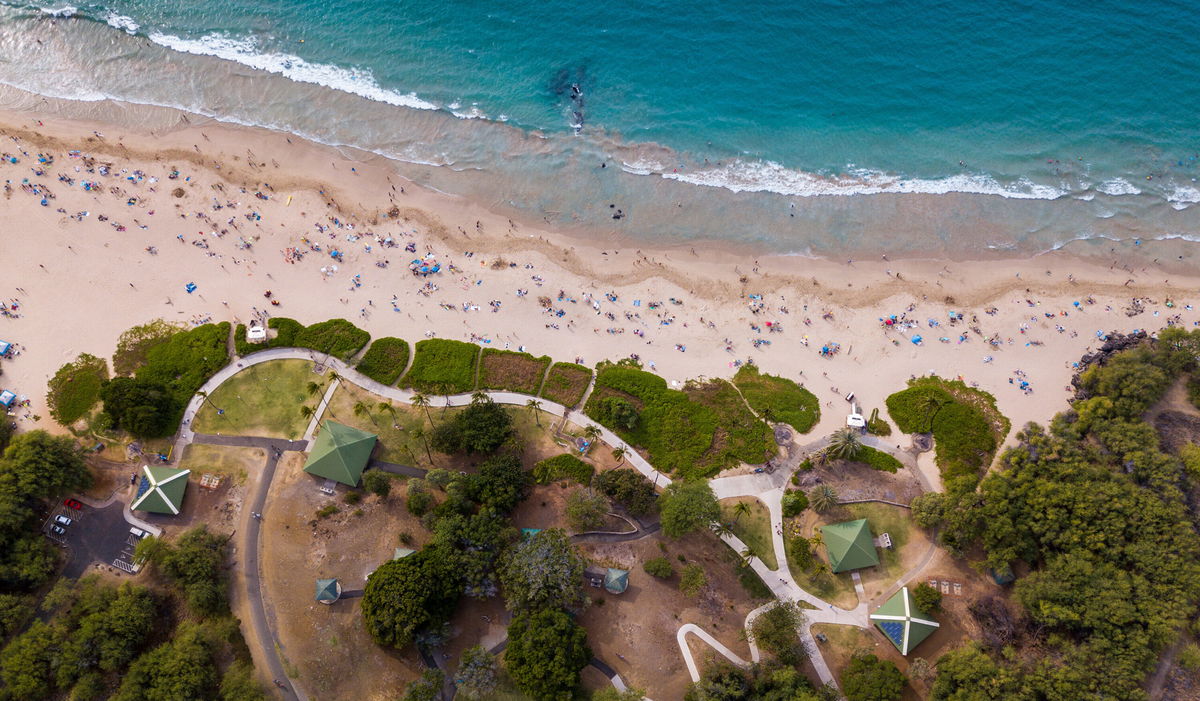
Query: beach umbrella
[[916, 340]]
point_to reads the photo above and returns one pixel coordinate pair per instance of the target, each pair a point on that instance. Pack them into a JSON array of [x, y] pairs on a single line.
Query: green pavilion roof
[[341, 453], [850, 545], [161, 490], [328, 590], [902, 623], [616, 581]]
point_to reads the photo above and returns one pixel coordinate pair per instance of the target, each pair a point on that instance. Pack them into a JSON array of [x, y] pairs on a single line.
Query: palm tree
[[740, 510], [334, 376], [721, 530], [619, 454], [361, 409], [536, 407], [480, 397], [422, 435], [844, 444], [822, 498], [421, 400], [386, 407], [930, 405], [204, 400], [313, 389], [308, 412], [591, 432], [747, 556]]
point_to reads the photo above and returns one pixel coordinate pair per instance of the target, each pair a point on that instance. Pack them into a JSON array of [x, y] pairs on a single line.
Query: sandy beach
[[103, 230]]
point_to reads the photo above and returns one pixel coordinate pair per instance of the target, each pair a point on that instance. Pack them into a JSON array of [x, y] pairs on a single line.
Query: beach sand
[[80, 272]]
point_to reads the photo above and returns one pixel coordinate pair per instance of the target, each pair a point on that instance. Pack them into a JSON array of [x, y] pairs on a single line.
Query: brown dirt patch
[[566, 385], [515, 372]]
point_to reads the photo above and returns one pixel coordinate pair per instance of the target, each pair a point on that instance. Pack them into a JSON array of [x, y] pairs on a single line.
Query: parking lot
[[94, 536]]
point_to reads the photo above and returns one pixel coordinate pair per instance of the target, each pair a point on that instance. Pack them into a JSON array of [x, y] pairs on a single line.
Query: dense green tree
[[480, 428], [770, 681], [501, 483], [238, 683], [616, 413], [629, 488], [37, 465], [108, 637], [968, 673], [687, 506], [926, 598], [868, 678], [27, 663], [407, 596], [179, 669], [1129, 379], [471, 546], [545, 654], [659, 567], [15, 612], [144, 408], [28, 562], [377, 482], [543, 571], [476, 676], [794, 502], [193, 562], [586, 509], [928, 509], [427, 687], [418, 498], [776, 630]]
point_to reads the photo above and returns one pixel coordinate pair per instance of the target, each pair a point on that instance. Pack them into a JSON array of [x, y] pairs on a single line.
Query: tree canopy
[[543, 571], [407, 596], [687, 506], [545, 654], [868, 678], [482, 427]]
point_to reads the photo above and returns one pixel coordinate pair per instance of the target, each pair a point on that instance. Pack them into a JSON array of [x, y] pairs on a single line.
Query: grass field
[[75, 388], [566, 383], [511, 371], [262, 400], [442, 366], [778, 398], [885, 518], [754, 528], [231, 463], [740, 436]]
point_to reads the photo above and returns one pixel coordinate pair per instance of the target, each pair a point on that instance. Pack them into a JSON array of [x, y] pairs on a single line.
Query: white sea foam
[[767, 176], [1117, 186], [642, 167], [1183, 195], [64, 11], [351, 80], [125, 24]]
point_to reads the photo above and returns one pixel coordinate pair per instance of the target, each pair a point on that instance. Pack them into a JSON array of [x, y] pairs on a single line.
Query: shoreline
[[101, 279]]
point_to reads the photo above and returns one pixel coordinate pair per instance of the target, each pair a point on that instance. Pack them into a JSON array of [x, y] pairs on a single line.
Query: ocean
[[931, 127]]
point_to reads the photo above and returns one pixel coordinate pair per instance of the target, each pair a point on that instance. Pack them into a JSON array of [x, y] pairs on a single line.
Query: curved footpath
[[768, 488]]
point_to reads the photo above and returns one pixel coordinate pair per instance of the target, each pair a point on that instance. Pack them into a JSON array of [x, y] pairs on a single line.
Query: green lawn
[[885, 518], [442, 366], [778, 398], [262, 400], [753, 528]]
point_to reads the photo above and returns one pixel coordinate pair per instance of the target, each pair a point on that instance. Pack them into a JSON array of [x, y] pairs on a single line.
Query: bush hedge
[[241, 345], [336, 337], [511, 370], [778, 398], [442, 366], [565, 466], [566, 383], [385, 360], [183, 362], [75, 388], [878, 459], [966, 425], [286, 331]]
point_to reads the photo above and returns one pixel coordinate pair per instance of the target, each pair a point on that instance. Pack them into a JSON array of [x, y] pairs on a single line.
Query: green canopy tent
[[902, 623], [850, 545], [328, 590], [161, 490], [341, 453]]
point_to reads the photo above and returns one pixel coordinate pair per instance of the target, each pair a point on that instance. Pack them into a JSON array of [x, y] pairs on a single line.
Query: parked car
[[73, 504], [59, 530], [137, 533], [62, 520]]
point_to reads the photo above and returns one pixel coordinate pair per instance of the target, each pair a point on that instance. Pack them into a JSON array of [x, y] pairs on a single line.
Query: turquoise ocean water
[[918, 127]]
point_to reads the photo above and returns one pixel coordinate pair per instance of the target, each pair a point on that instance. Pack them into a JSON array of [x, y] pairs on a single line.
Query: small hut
[[328, 590], [616, 581]]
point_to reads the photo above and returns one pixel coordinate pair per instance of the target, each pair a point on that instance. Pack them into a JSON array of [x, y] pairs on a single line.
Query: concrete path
[[396, 469]]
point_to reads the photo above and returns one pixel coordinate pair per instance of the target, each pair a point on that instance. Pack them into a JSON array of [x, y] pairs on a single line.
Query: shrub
[[442, 366], [75, 388], [868, 678], [352, 497], [778, 398], [336, 337], [614, 411], [965, 423], [774, 630], [378, 483], [878, 459], [385, 360], [794, 502], [692, 580], [286, 331], [585, 510], [566, 383], [185, 360], [137, 341], [928, 509], [628, 488], [327, 510], [565, 466], [141, 407], [688, 506], [926, 598], [1189, 657], [877, 426], [659, 567], [419, 501], [511, 370]]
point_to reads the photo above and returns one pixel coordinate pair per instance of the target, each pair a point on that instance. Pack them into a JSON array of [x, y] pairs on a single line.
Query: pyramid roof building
[[850, 545], [161, 490], [900, 621], [341, 453]]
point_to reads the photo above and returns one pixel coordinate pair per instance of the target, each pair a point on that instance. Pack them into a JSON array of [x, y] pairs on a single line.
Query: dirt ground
[[328, 644], [635, 632]]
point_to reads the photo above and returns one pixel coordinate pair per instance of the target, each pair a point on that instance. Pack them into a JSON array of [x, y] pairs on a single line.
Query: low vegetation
[[482, 427], [75, 388], [693, 434], [336, 337], [566, 383], [511, 371], [966, 426], [629, 488], [565, 466], [442, 366], [385, 360], [877, 459], [778, 398]]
